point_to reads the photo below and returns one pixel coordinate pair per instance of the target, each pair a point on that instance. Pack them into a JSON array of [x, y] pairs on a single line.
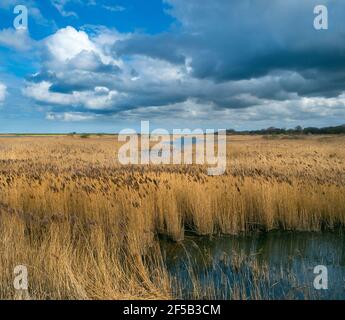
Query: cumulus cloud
[[227, 60], [67, 43], [287, 111], [16, 39], [76, 66], [97, 99]]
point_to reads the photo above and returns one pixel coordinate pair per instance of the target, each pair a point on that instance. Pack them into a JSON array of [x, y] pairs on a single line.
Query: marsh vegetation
[[89, 228]]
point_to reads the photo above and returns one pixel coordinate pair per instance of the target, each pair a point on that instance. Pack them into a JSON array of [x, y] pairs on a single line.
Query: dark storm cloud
[[262, 59], [163, 46], [243, 39]]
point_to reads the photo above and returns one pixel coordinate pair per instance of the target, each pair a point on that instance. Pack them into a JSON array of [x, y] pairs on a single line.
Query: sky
[[102, 66]]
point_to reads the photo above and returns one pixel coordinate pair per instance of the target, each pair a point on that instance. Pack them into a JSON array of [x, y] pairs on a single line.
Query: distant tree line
[[296, 130]]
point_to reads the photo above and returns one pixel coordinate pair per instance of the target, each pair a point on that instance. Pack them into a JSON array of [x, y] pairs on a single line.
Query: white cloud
[[69, 116], [3, 92], [82, 71], [40, 92], [67, 43], [193, 111], [155, 70], [16, 39], [83, 74], [93, 100]]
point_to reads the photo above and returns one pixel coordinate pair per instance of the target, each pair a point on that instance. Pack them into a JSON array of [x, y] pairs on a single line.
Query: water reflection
[[275, 265]]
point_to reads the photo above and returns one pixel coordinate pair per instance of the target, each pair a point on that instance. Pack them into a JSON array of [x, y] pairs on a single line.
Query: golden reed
[[86, 227]]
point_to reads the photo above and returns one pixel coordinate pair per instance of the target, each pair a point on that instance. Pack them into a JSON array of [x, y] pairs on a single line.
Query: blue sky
[[100, 66]]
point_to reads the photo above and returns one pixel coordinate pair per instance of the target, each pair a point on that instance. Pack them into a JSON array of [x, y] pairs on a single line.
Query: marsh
[[88, 227]]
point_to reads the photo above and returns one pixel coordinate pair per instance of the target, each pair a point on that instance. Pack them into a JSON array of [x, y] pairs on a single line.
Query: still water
[[275, 265]]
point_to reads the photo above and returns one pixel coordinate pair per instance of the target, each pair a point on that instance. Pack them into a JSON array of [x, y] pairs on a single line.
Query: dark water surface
[[275, 265]]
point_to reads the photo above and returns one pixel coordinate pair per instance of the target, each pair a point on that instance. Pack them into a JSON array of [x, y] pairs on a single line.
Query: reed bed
[[87, 227]]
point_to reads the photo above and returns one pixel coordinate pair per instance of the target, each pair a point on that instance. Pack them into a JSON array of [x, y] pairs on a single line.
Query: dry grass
[[87, 227]]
